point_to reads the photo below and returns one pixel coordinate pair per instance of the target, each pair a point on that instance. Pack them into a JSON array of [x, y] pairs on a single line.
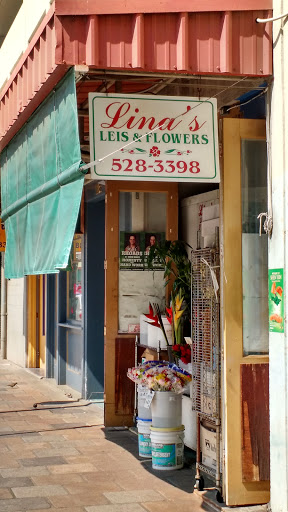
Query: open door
[[36, 321], [245, 314], [134, 212]]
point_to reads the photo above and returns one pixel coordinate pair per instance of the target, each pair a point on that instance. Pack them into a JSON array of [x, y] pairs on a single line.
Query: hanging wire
[[248, 101]]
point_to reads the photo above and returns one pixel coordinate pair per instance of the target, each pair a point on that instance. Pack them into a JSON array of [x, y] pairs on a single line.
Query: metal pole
[[3, 337]]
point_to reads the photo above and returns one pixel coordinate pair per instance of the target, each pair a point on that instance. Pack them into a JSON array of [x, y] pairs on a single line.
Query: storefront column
[[278, 259]]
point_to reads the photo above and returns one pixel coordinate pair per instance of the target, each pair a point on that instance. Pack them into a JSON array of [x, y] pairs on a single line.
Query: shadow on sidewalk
[[183, 479]]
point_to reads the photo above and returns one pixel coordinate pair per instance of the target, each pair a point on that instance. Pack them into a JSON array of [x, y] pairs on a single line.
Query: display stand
[[206, 365]]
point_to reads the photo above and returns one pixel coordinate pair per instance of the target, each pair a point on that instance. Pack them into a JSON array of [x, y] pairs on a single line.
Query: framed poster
[[135, 248]]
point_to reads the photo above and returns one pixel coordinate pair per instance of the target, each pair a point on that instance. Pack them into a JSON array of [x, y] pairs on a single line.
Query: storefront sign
[[160, 138], [2, 237], [276, 300]]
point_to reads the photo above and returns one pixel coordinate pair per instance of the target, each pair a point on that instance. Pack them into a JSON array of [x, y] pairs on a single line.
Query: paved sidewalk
[[60, 457]]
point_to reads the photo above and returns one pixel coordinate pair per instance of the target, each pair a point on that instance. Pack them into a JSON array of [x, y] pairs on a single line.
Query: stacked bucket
[[165, 444], [144, 421]]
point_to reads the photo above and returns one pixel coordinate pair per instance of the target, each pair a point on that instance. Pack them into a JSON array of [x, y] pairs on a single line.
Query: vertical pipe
[[3, 338]]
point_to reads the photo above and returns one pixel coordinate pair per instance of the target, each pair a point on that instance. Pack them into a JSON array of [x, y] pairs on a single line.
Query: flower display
[[160, 376], [136, 374]]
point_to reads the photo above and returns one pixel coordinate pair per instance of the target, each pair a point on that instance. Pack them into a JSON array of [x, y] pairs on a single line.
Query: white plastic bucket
[[143, 412], [166, 409], [144, 441], [167, 448], [155, 337]]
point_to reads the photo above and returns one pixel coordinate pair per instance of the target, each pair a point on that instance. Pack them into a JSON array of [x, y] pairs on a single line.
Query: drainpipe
[[3, 336]]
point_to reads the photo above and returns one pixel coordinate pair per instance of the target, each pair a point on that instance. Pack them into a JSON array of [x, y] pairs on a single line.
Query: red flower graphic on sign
[[154, 151]]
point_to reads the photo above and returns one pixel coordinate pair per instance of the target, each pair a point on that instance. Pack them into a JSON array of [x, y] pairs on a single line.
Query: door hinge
[[105, 264], [104, 330]]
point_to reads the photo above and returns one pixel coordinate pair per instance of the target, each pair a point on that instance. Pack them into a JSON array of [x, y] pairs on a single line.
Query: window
[[142, 222], [254, 247]]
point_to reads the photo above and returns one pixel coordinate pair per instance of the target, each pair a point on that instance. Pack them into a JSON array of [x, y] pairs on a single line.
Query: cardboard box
[[208, 447], [151, 355]]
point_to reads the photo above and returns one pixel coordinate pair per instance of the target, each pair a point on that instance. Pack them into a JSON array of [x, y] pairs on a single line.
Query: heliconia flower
[[178, 302], [154, 318], [169, 315], [178, 315]]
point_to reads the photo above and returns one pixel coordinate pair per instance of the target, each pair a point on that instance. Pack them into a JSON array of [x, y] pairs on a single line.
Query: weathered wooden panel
[[255, 422], [124, 387]]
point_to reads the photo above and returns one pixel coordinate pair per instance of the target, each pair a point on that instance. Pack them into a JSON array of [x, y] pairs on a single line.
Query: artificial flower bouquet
[[136, 374], [182, 352], [161, 376]]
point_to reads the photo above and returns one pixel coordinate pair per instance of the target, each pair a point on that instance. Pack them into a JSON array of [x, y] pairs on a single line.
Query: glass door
[[245, 388]]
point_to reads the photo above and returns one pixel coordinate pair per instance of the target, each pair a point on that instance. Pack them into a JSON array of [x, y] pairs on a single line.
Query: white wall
[[17, 39], [15, 322], [278, 258]]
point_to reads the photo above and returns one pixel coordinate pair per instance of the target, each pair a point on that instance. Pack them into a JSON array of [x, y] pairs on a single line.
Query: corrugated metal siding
[[37, 66], [66, 7], [215, 42]]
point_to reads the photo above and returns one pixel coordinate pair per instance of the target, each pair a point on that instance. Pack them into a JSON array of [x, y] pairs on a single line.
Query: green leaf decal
[[275, 299], [170, 150], [141, 150]]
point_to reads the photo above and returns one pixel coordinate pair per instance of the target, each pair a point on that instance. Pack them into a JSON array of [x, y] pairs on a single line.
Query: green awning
[[41, 186]]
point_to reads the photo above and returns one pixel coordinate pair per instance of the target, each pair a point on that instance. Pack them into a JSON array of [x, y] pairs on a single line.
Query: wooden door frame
[[36, 340], [237, 492], [31, 323], [111, 276]]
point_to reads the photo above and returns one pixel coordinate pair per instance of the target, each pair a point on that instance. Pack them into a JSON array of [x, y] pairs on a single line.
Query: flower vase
[[171, 357]]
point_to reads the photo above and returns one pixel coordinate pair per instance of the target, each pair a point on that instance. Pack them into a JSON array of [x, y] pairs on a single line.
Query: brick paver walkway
[[59, 456]]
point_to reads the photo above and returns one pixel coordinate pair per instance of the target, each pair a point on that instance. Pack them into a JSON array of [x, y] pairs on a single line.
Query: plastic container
[[155, 337], [167, 448], [166, 408], [144, 441], [143, 412]]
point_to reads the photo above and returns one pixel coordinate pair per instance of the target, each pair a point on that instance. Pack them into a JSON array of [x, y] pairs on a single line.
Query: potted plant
[[177, 269], [177, 266]]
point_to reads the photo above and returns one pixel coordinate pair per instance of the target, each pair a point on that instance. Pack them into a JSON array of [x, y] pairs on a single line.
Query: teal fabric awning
[[41, 186]]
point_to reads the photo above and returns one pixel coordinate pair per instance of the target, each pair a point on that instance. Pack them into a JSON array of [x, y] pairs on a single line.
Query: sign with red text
[[159, 138]]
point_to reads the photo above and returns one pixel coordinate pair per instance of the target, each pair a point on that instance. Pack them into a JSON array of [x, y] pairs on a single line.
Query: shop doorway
[[94, 297], [36, 322]]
